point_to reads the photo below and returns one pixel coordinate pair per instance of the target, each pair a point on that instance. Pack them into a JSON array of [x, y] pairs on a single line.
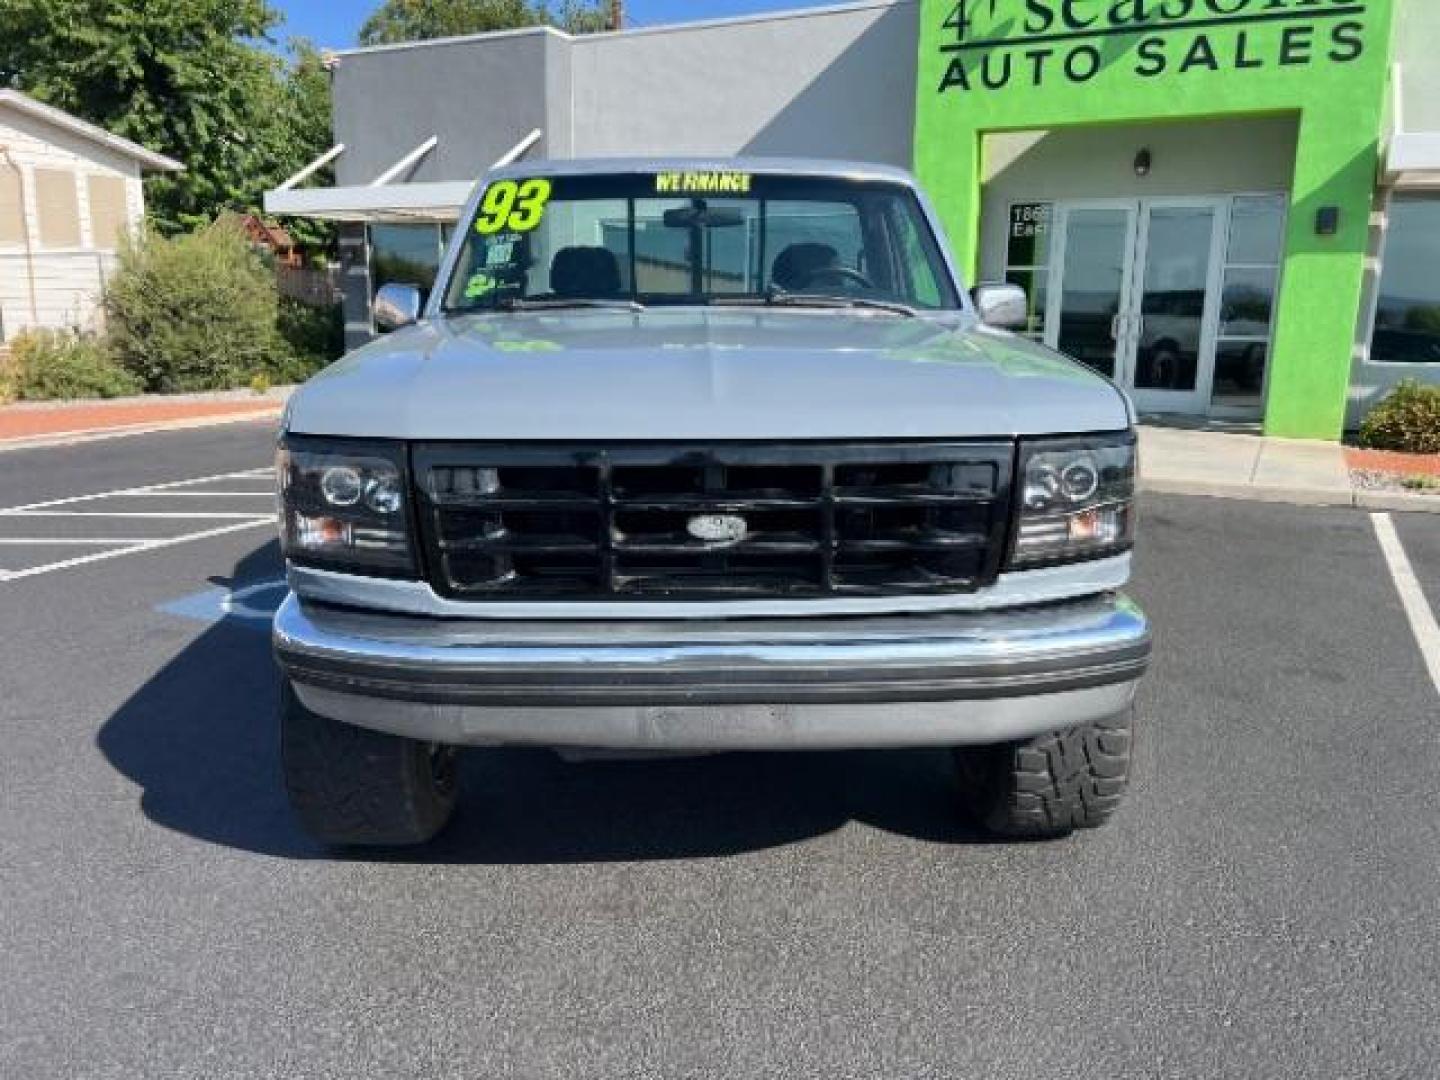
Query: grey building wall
[[836, 83], [479, 95], [833, 82]]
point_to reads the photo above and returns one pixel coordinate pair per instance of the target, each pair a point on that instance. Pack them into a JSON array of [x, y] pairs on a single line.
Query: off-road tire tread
[[351, 786], [1053, 784]]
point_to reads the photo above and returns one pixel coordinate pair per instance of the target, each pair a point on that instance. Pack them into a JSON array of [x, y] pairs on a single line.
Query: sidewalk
[[1244, 466], [46, 423], [1174, 460]]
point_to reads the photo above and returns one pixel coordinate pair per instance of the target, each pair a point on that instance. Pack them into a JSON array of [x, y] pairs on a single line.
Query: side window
[[1407, 315], [924, 287]]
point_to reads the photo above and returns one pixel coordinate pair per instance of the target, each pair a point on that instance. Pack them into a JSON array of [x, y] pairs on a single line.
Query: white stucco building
[[68, 191]]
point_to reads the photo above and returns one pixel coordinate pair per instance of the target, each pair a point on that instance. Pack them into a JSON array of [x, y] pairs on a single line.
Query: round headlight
[[1042, 485], [383, 494], [1080, 480], [342, 486]]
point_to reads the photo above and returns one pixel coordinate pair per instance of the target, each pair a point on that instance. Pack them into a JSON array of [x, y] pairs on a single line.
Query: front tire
[[1053, 784], [351, 786]]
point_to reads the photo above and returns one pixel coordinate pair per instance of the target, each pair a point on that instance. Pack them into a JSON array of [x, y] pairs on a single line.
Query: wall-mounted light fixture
[[1143, 162]]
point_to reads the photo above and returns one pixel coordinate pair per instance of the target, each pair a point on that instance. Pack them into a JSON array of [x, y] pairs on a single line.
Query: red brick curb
[[80, 419], [1387, 462]]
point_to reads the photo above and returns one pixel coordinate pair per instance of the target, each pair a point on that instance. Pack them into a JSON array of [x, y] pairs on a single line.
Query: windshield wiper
[[558, 303], [777, 297]]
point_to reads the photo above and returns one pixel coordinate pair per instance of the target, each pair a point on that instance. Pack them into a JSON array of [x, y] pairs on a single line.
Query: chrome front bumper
[[910, 680]]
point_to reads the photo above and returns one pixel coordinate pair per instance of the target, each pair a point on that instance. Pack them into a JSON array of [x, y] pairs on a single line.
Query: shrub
[[48, 364], [196, 312], [1408, 421], [315, 336]]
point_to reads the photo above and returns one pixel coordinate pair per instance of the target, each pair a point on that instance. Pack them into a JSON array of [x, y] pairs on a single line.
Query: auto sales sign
[[990, 46]]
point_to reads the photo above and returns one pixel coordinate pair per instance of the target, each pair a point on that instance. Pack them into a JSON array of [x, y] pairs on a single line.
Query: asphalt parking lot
[[1264, 905]]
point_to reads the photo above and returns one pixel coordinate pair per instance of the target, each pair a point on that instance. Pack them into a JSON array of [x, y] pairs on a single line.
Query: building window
[[12, 206], [1407, 315], [58, 207], [1027, 259], [1249, 286], [404, 255], [109, 220]]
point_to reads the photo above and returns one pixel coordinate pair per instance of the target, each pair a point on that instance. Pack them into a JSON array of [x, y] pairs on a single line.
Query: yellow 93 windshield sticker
[[516, 206]]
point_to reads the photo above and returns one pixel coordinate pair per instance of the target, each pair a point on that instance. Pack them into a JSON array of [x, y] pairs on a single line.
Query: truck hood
[[703, 374]]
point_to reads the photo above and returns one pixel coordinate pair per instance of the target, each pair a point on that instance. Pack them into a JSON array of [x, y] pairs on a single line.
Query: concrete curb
[[1396, 502]]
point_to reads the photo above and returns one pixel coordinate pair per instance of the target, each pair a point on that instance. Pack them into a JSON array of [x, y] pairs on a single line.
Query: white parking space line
[[1412, 596], [201, 495], [71, 541], [74, 512], [149, 545], [146, 489], [171, 515]]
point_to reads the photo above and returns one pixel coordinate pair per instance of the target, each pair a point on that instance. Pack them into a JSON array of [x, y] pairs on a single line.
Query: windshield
[[697, 238]]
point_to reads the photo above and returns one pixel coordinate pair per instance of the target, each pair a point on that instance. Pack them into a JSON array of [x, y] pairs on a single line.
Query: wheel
[[1052, 784], [353, 786]]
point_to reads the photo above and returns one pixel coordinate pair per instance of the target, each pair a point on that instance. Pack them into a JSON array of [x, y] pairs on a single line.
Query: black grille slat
[[619, 522]]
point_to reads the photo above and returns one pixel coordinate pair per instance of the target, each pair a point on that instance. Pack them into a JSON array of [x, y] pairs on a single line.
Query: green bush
[[52, 364], [315, 336], [1408, 421], [196, 312]]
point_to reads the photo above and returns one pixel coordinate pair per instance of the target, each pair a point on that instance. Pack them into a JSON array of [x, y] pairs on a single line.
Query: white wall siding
[[67, 282]]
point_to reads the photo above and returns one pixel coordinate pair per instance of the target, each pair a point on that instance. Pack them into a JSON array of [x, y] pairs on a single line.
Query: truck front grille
[[536, 522]]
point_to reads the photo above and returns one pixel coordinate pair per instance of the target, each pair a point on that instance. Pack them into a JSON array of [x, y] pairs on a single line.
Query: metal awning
[[1411, 159], [388, 202], [383, 199]]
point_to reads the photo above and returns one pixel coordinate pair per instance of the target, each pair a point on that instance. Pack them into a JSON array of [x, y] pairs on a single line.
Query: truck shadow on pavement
[[201, 740]]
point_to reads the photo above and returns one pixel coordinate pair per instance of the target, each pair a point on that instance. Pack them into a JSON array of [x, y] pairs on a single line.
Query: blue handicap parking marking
[[252, 604]]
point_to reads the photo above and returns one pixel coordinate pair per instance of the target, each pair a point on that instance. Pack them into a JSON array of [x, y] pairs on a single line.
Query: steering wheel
[[839, 273]]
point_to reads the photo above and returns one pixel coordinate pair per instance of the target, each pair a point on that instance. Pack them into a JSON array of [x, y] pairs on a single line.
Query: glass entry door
[[1134, 288], [1091, 283]]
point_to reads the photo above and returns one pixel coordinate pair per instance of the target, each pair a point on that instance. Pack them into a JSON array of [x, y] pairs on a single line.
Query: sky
[[335, 23]]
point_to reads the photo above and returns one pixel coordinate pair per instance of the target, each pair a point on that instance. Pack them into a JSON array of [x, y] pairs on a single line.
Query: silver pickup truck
[[697, 456]]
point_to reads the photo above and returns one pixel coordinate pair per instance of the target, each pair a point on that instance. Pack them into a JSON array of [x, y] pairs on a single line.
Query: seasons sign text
[[992, 44]]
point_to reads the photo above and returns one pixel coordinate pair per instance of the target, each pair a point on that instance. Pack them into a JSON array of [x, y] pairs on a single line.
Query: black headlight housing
[[345, 505], [1076, 500]]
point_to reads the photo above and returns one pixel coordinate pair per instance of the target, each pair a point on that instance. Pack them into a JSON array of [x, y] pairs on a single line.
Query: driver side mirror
[[396, 306], [1001, 305]]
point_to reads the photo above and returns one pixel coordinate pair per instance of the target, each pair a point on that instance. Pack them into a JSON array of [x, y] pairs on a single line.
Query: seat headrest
[[580, 272], [798, 263]]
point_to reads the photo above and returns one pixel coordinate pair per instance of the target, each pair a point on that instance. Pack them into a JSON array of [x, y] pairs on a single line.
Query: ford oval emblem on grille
[[717, 528]]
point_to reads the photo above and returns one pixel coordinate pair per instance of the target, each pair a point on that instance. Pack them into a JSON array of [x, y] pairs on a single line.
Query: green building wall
[[1010, 65]]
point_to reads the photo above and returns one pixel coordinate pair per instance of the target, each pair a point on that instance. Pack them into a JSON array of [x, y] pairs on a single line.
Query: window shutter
[[59, 208], [12, 206], [108, 218]]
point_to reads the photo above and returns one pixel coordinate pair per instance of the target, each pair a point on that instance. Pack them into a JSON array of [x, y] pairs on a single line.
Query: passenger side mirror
[[396, 306], [1002, 306]]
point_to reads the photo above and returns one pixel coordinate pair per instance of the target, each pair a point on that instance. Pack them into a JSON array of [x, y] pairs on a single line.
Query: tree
[[188, 78], [420, 20], [308, 114]]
